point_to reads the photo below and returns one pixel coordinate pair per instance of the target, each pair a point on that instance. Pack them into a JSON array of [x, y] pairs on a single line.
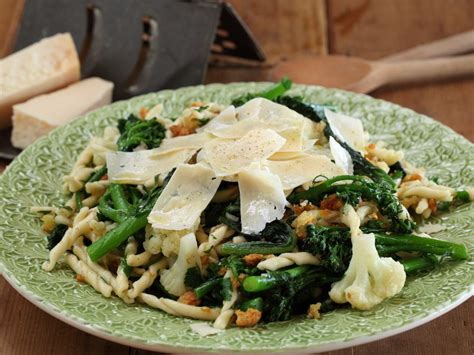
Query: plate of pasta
[[242, 217]]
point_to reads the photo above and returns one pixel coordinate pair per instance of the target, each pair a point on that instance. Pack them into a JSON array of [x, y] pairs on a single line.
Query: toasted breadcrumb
[[247, 318], [179, 130], [313, 311], [412, 177], [331, 203], [189, 298], [143, 112], [253, 259], [298, 209]]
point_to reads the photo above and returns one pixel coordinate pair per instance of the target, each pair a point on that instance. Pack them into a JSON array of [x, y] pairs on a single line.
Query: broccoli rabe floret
[[135, 132]]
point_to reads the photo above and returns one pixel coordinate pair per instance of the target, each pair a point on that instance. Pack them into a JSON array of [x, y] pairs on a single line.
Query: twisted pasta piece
[[91, 277], [222, 321], [287, 259], [81, 225], [147, 279], [179, 309]]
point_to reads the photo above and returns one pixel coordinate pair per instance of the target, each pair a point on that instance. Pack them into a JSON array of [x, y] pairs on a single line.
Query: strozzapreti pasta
[[247, 213]]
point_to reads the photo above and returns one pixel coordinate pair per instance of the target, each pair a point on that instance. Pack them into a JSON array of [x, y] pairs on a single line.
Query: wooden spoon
[[458, 43], [363, 76]]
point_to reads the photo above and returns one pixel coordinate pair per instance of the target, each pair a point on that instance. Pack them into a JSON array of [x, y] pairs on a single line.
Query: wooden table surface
[[364, 28]]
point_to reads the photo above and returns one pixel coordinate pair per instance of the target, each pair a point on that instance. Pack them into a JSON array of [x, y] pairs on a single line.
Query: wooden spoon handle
[[424, 70], [456, 44]]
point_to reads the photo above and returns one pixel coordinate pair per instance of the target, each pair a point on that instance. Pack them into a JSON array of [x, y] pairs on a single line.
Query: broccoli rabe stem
[[278, 235], [114, 213], [304, 273], [255, 303], [117, 194], [206, 287], [391, 244], [460, 198], [259, 247], [117, 236], [419, 263], [267, 281], [78, 199], [129, 223], [98, 174], [316, 193]]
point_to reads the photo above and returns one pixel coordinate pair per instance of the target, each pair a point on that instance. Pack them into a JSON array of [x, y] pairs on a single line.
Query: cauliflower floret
[[369, 279], [172, 279], [154, 241]]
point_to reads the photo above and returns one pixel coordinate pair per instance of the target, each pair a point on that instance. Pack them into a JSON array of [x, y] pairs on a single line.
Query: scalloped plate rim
[[331, 346], [92, 329]]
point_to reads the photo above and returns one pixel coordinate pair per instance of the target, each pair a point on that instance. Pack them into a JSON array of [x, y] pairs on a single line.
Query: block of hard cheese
[[36, 117], [47, 65]]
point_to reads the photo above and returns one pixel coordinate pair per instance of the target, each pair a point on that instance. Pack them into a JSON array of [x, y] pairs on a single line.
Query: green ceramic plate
[[34, 178]]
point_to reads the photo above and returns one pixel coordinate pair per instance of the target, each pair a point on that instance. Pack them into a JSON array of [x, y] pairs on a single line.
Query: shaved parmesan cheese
[[294, 139], [268, 111], [138, 167], [431, 228], [191, 141], [260, 113], [261, 199], [228, 157], [347, 129], [242, 128], [204, 329], [341, 156], [302, 169], [186, 195], [225, 119], [286, 155]]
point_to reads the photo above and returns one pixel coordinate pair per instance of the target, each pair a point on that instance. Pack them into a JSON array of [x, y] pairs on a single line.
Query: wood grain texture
[[27, 330], [364, 28], [10, 14], [372, 29], [283, 27], [375, 29]]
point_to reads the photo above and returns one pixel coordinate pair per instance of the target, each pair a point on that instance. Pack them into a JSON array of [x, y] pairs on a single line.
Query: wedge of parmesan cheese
[[186, 195], [261, 198], [48, 65], [36, 117]]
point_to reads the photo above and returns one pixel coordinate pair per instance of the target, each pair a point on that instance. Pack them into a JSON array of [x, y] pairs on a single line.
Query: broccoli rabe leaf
[[127, 269], [277, 237], [227, 289], [360, 188], [361, 165], [331, 243], [56, 235], [134, 132], [193, 277], [272, 93], [281, 290]]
